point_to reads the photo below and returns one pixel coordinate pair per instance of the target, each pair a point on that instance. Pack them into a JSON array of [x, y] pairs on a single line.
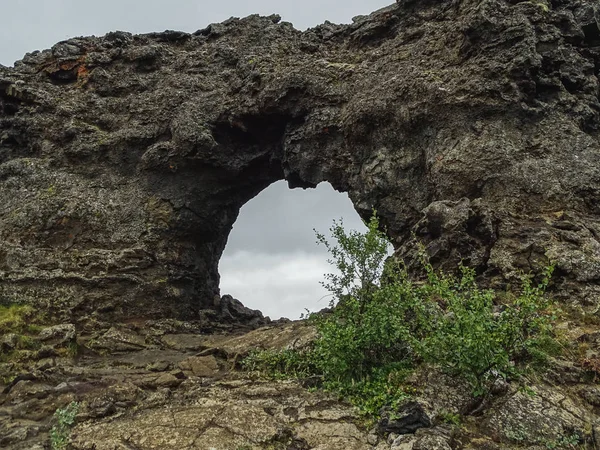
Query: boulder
[[200, 366], [58, 334]]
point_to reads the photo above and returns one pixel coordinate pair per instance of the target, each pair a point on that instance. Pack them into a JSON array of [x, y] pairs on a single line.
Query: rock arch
[[124, 159]]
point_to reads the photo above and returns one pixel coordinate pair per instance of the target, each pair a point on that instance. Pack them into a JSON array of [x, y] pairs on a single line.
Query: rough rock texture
[[124, 160], [231, 415], [178, 388], [159, 395]]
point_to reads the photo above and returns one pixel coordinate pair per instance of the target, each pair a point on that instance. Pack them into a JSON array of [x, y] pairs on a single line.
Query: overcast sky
[[271, 262]]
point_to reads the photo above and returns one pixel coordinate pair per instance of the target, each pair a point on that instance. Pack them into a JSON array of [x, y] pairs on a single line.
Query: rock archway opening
[[271, 261]]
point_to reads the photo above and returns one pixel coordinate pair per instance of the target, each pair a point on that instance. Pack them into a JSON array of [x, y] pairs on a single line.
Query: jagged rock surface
[[166, 385], [124, 160]]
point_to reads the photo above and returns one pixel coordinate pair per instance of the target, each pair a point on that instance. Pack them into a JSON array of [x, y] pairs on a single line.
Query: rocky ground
[[169, 385]]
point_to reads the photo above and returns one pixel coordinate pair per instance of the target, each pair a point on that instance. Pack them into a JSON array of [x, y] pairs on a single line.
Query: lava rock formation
[[469, 125]]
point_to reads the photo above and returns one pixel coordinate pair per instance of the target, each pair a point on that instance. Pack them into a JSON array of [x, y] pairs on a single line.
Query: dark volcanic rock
[[124, 160], [408, 419], [233, 311]]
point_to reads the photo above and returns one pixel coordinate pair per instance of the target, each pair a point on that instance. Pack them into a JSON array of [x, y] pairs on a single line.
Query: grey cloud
[[278, 285], [272, 261], [281, 220]]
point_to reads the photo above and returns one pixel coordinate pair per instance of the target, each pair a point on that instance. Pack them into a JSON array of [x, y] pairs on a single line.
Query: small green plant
[[572, 441], [279, 364], [450, 418], [71, 350], [17, 323], [6, 378], [518, 435], [565, 441], [542, 5], [61, 431]]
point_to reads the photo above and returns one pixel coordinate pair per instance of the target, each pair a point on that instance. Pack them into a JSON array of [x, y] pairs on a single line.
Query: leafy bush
[[473, 337], [65, 419], [359, 258], [383, 323]]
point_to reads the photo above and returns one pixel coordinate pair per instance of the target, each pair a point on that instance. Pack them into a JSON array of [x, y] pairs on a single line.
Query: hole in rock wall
[[271, 261]]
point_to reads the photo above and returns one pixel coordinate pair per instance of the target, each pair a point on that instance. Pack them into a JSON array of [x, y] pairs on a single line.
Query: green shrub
[[359, 258], [368, 328], [377, 331], [474, 338], [61, 431]]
